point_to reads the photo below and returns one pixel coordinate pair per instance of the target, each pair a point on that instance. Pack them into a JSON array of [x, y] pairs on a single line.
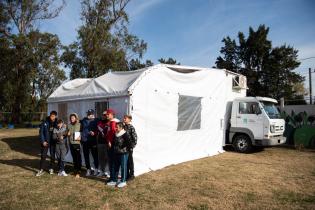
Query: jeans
[[102, 156], [87, 147], [76, 157], [61, 151], [130, 166], [121, 163], [43, 155], [111, 163]]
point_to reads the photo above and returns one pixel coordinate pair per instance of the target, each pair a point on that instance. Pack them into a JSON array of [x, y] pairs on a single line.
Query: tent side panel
[[155, 113]]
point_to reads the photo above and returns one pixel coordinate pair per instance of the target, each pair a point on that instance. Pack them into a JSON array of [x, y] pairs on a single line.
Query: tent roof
[[110, 84]]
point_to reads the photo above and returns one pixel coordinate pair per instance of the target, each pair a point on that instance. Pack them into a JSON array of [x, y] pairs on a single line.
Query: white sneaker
[[40, 172], [95, 172], [100, 174], [111, 183], [88, 172], [51, 171], [122, 184], [63, 173], [106, 174]]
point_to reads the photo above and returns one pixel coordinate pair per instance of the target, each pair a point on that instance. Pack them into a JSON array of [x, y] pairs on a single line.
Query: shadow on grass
[[28, 145], [27, 164], [230, 148]]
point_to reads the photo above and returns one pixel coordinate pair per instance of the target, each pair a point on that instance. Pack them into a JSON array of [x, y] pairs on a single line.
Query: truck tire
[[242, 143]]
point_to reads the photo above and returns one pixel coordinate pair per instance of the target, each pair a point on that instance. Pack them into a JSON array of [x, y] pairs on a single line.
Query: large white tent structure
[[179, 112]]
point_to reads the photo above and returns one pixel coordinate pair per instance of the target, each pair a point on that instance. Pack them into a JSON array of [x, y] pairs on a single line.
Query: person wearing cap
[[88, 141], [74, 136], [109, 137], [47, 142], [102, 148]]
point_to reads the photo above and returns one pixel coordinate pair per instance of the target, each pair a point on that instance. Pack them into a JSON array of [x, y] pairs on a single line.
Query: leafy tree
[[48, 75], [104, 42], [168, 61], [269, 70], [135, 64], [23, 54]]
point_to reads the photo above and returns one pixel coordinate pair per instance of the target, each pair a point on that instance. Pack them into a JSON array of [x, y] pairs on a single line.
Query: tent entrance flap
[[189, 113]]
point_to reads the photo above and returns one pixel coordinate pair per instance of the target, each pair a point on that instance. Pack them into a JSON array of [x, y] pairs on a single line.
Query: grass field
[[270, 178]]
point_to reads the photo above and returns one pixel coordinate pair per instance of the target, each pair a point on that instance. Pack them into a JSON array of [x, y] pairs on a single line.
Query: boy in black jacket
[[128, 127]]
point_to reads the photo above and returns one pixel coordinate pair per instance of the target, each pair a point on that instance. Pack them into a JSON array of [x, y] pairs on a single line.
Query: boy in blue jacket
[[88, 141], [47, 142]]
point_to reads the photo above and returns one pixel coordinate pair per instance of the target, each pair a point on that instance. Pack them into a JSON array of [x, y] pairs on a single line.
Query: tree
[[104, 42], [135, 64], [48, 75], [168, 61], [20, 63], [269, 70]]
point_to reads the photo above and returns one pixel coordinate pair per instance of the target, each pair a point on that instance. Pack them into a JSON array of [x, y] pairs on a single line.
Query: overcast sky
[[191, 30]]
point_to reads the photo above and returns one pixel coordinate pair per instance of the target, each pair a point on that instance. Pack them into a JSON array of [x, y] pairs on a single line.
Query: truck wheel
[[242, 143]]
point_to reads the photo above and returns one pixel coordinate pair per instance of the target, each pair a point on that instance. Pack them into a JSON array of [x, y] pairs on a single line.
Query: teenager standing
[[130, 129], [88, 141], [47, 143], [74, 136]]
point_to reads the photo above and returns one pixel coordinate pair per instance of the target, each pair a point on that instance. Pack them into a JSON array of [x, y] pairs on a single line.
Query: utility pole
[[310, 80], [310, 83]]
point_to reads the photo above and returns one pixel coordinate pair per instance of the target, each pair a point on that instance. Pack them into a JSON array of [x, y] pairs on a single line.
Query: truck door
[[249, 116]]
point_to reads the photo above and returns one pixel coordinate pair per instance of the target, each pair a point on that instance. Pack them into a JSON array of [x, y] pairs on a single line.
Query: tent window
[[63, 111], [189, 113], [100, 107]]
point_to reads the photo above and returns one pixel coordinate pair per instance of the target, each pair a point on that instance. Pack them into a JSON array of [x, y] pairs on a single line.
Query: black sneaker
[[131, 178]]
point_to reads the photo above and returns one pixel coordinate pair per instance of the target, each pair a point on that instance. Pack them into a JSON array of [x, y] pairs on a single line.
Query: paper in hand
[[77, 135]]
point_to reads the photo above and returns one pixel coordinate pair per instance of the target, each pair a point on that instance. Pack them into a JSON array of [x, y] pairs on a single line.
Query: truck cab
[[255, 121]]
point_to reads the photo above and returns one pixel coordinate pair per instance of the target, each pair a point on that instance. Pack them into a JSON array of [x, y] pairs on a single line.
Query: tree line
[[32, 62]]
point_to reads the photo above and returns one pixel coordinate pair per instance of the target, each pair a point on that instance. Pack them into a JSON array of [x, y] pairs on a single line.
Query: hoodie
[[111, 130], [60, 134], [72, 128], [87, 126]]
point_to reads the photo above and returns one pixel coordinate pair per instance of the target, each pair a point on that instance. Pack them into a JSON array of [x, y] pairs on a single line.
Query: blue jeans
[[121, 163]]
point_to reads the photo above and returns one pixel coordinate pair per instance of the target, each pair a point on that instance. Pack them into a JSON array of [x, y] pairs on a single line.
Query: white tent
[[179, 112]]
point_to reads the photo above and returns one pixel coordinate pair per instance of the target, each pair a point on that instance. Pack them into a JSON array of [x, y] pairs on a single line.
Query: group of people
[[109, 141]]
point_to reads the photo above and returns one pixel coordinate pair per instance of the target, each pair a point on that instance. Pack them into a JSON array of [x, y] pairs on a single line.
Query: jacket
[[60, 134], [121, 142], [133, 135], [88, 125], [72, 128], [111, 130], [46, 130], [102, 127]]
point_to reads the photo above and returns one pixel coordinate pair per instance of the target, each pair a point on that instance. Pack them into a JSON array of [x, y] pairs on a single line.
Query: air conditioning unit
[[239, 82]]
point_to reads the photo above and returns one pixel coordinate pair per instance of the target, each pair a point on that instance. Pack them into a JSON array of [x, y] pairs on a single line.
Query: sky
[[191, 31]]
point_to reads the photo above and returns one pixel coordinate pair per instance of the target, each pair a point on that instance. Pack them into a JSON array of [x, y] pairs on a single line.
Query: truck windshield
[[270, 109]]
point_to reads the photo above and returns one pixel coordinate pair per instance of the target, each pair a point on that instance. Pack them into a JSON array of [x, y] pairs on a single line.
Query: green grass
[[271, 178]]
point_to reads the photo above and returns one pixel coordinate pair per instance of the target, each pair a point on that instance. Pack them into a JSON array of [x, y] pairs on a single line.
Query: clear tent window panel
[[189, 113], [100, 107]]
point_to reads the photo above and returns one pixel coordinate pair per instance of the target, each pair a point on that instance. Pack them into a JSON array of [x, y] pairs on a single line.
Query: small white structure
[[179, 112]]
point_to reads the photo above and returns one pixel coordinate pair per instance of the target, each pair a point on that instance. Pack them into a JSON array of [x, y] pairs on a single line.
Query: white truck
[[254, 121]]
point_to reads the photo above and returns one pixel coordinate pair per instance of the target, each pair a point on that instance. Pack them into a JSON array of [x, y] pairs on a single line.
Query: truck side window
[[248, 107]]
